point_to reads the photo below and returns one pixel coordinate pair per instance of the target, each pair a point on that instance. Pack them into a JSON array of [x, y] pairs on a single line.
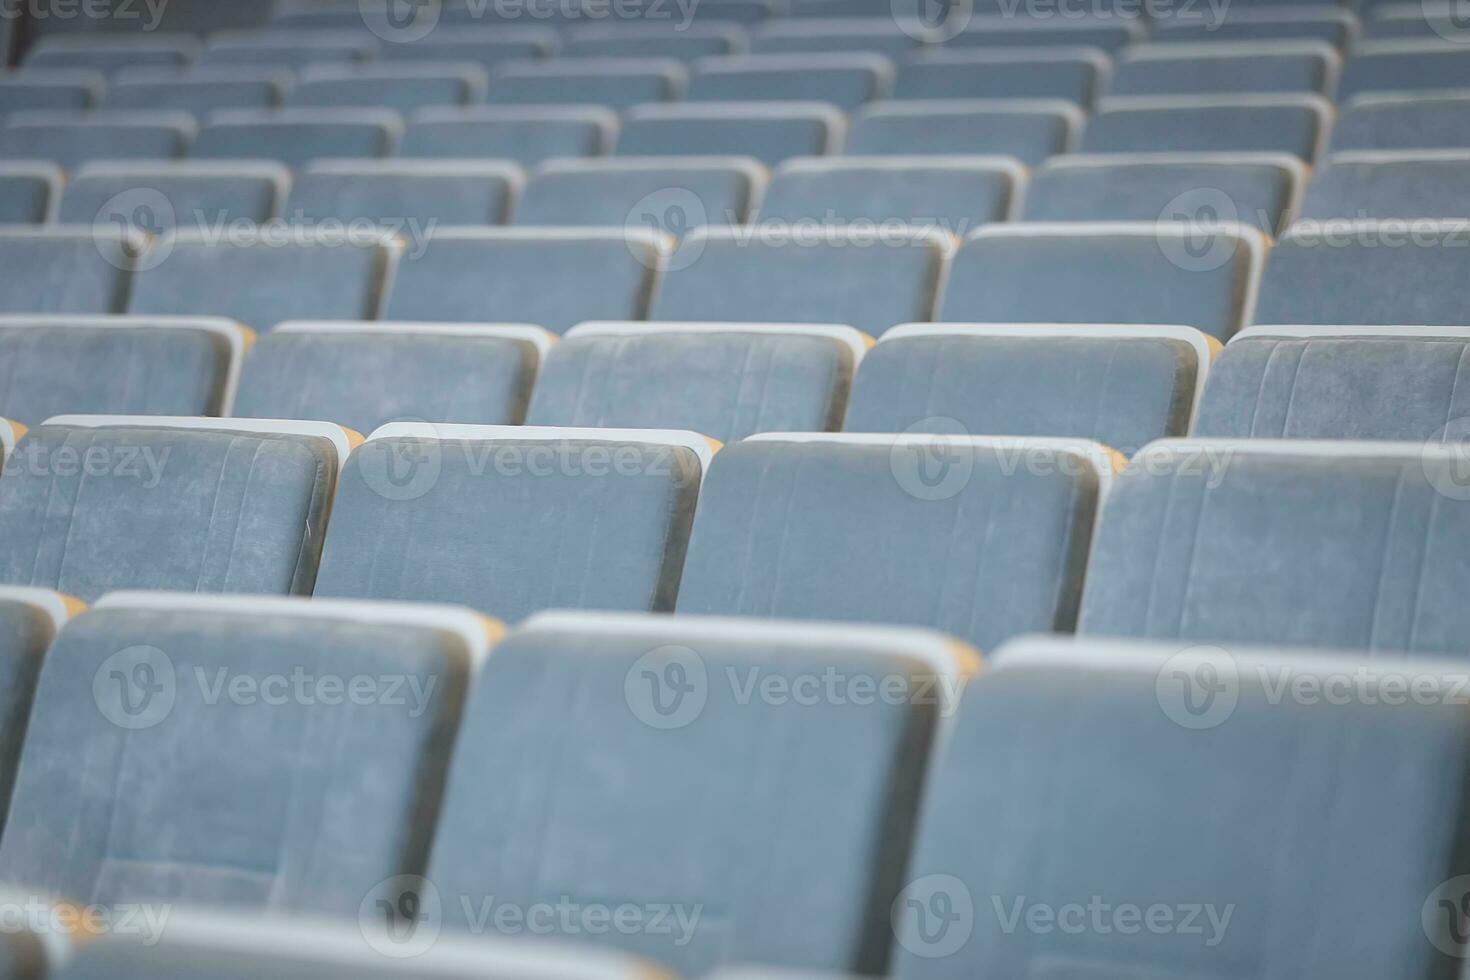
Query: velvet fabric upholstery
[[66, 270], [1257, 68], [844, 80], [950, 193], [392, 85], [1404, 123], [983, 74], [295, 136], [89, 510], [489, 48], [781, 827], [26, 632], [615, 83], [661, 192], [199, 91], [954, 537], [1217, 542], [83, 53], [631, 41], [1320, 24], [768, 132], [1404, 66], [201, 197], [293, 51], [64, 92], [26, 194], [70, 142], [394, 191], [878, 36], [1401, 186], [523, 135], [1030, 134], [1240, 125], [998, 31]]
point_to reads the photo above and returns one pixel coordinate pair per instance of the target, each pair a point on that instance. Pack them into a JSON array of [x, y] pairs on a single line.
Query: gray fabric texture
[[487, 52], [619, 84], [71, 144], [21, 94], [1423, 188], [198, 201], [523, 139], [982, 75], [743, 78], [24, 200], [903, 130], [391, 90], [1216, 129], [684, 47], [1221, 75], [768, 138], [1108, 37], [26, 633], [713, 194], [290, 140], [1332, 31], [1409, 124], [957, 199], [397, 194], [62, 272], [1405, 71], [198, 93]]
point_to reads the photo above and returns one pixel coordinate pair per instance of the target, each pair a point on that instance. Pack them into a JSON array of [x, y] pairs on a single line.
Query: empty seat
[[1295, 124], [643, 41], [262, 280], [364, 375], [523, 134], [866, 278], [1025, 129], [1400, 66], [552, 278], [1404, 122], [28, 192], [981, 538], [109, 54], [664, 193], [198, 945], [486, 46], [1422, 184], [792, 804], [1314, 776], [515, 518], [70, 140], [63, 91], [94, 503], [1122, 386], [1073, 74], [727, 381], [1413, 21], [457, 192], [1214, 68], [1388, 383], [844, 80], [307, 746], [769, 132], [199, 91], [616, 83], [29, 621], [118, 365], [1331, 25], [402, 86], [1368, 273], [288, 49], [295, 136], [1184, 274], [878, 35], [999, 31], [952, 194], [1255, 189], [1357, 545], [67, 270], [158, 197]]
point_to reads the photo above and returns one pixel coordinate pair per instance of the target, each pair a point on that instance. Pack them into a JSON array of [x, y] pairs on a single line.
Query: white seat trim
[[521, 332], [1384, 332], [1315, 448], [853, 339], [48, 601], [286, 427]]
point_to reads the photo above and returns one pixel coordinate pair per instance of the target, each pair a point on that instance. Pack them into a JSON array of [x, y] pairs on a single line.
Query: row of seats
[[1336, 544], [620, 764]]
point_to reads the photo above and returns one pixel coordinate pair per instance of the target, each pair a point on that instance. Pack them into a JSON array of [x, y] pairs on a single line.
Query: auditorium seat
[[199, 91], [1336, 26], [1287, 123], [1255, 189], [72, 139], [158, 196], [1385, 184], [1130, 272], [865, 278], [96, 503], [950, 193], [1072, 74], [451, 192], [1396, 122], [403, 86], [1333, 382], [1122, 386], [515, 519], [523, 134], [846, 81], [727, 381], [518, 275], [265, 710], [37, 90], [1405, 66], [364, 375], [295, 136], [67, 270], [288, 49], [878, 35], [81, 52], [213, 945], [1029, 130], [1368, 273], [1356, 545], [29, 191], [485, 46], [1001, 31], [769, 132], [118, 365], [981, 538], [1111, 889], [775, 825], [613, 83], [669, 194], [263, 282], [29, 620], [1434, 21], [1223, 68], [648, 41]]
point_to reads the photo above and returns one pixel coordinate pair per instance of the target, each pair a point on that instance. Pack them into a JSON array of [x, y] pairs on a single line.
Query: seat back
[[1376, 185], [1294, 124], [1404, 65], [1028, 130], [614, 83], [199, 91], [294, 137], [28, 192], [1215, 68], [669, 194], [404, 86], [1072, 74], [1383, 121], [452, 192], [158, 197], [72, 140], [516, 133], [843, 80], [768, 132], [67, 270]]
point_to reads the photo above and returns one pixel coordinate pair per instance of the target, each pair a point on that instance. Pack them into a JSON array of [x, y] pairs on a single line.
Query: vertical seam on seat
[[754, 514], [1153, 579], [1261, 387], [1419, 575], [71, 516], [1199, 524], [785, 528], [1383, 560], [1102, 389], [1291, 389], [239, 514], [213, 509], [1449, 409], [41, 528]]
